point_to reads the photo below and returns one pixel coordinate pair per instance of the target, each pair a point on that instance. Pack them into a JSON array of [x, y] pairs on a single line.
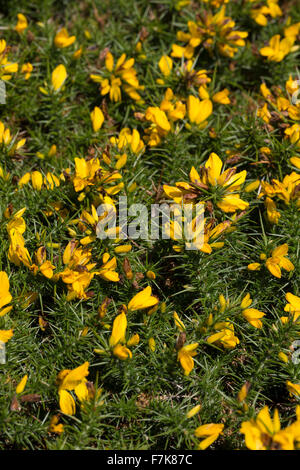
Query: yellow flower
[[172, 106], [89, 173], [129, 139], [37, 180], [225, 335], [272, 214], [254, 266], [178, 322], [67, 403], [208, 30], [97, 118], [17, 252], [265, 433], [6, 68], [259, 14], [198, 111], [283, 357], [151, 275], [120, 75], [210, 432], [293, 305], [294, 389], [107, 270], [185, 356], [278, 260], [22, 384], [295, 161], [134, 340], [277, 48], [62, 39], [22, 23], [59, 76], [77, 54], [165, 64], [222, 97], [143, 299], [118, 337], [285, 190], [264, 113], [44, 266], [252, 315], [243, 392], [123, 249], [27, 69], [118, 330], [6, 335], [151, 343], [224, 186], [275, 262], [72, 380], [5, 296], [122, 352], [6, 139], [54, 426], [193, 411]]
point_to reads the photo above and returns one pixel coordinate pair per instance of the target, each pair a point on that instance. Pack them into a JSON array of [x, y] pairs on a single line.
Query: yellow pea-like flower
[[97, 118], [58, 77]]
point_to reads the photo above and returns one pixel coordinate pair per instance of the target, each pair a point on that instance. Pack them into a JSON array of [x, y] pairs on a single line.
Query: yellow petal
[[142, 300], [118, 329], [5, 335], [97, 118], [59, 76], [22, 384], [66, 403]]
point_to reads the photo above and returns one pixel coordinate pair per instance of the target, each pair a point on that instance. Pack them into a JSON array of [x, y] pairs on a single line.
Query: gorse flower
[[72, 381], [275, 262], [6, 335], [294, 389], [118, 336], [58, 77], [142, 300], [117, 339], [262, 10], [8, 142], [128, 139], [62, 39], [222, 187], [27, 69], [17, 252], [292, 307], [97, 118], [265, 433], [22, 23], [6, 68], [210, 432], [199, 111], [121, 75], [210, 30], [225, 335], [92, 173], [149, 152], [5, 295], [252, 315], [22, 384], [185, 357], [277, 48]]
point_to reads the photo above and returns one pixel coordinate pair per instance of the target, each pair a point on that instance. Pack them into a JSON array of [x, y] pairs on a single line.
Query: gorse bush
[[142, 342]]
